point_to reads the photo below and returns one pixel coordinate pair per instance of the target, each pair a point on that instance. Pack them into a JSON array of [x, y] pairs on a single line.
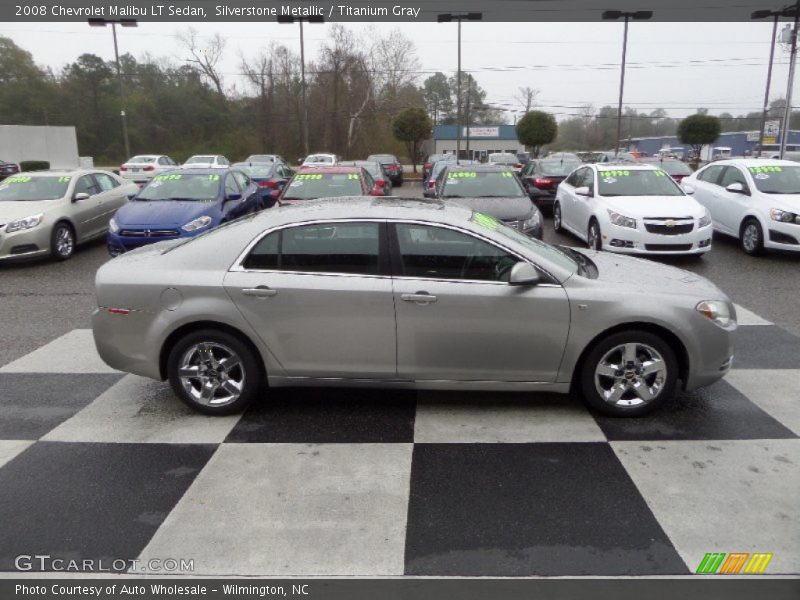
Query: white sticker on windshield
[[761, 176], [452, 181], [155, 183], [609, 179], [296, 184]]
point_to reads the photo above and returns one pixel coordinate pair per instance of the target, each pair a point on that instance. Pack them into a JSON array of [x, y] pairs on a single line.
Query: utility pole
[[787, 113], [763, 14]]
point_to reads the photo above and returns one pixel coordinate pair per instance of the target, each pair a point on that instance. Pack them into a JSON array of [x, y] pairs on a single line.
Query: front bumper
[[639, 241], [782, 236], [710, 350], [28, 243], [118, 244]]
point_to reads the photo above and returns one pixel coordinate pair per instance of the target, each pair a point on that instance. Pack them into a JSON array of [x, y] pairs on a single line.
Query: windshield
[[538, 248], [505, 159], [776, 179], [673, 167], [382, 158], [640, 182], [482, 184], [23, 188], [556, 167], [182, 186], [142, 159], [200, 159], [307, 186]]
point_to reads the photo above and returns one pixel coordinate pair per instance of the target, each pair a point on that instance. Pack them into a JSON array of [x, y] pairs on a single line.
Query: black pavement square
[[91, 501], [31, 404], [765, 347], [716, 412], [329, 415], [530, 509]]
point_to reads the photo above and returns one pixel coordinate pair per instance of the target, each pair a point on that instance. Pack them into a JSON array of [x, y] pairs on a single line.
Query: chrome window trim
[[238, 264]]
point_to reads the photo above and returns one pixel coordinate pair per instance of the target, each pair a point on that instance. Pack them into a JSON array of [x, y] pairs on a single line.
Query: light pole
[[613, 15], [101, 22], [763, 14], [449, 18], [283, 19], [787, 113]]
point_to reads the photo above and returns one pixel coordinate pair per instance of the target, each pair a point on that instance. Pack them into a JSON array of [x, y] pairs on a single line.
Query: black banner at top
[[379, 10]]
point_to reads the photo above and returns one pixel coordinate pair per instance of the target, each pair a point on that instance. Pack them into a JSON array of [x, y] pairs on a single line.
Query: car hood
[[639, 273], [10, 211], [787, 202], [504, 209], [655, 206], [162, 213]]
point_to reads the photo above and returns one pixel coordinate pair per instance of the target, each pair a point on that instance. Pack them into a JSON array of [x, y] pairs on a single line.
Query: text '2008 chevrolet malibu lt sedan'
[[405, 293]]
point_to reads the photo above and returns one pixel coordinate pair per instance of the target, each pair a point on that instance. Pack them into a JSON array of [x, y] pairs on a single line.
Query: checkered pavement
[[97, 464]]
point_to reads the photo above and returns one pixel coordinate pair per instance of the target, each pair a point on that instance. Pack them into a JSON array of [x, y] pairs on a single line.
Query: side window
[[230, 185], [162, 160], [369, 182], [321, 248], [711, 174], [106, 183], [575, 178], [733, 175], [223, 161], [587, 179], [86, 185], [439, 253]]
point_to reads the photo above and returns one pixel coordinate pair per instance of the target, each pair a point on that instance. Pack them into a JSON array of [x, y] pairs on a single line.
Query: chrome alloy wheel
[[64, 241], [750, 237], [630, 375], [593, 236], [212, 374], [557, 217]]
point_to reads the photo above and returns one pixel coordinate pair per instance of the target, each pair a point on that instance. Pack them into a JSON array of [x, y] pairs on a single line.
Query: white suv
[[631, 208]]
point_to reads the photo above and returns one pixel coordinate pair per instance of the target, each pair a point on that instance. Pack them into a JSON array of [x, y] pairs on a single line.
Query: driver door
[[459, 319]]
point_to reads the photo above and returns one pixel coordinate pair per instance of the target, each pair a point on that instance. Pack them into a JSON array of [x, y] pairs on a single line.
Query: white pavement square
[[502, 418], [293, 509], [10, 448], [140, 410], [722, 496], [748, 317], [73, 352], [776, 391]]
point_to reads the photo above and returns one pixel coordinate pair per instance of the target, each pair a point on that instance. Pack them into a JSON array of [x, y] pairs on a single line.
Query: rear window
[[673, 167], [142, 159], [200, 159], [307, 186], [557, 167]]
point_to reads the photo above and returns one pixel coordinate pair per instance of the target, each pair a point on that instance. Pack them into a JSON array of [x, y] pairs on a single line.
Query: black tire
[[249, 372], [62, 241], [557, 218], [597, 242], [399, 183], [630, 403], [751, 237]]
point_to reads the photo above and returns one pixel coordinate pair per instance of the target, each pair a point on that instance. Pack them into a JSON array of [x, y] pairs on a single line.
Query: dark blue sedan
[[182, 203], [269, 177]]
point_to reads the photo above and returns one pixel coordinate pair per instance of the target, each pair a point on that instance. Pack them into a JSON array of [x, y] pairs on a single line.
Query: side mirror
[[131, 196], [736, 188], [524, 273], [688, 189], [80, 196], [233, 197], [584, 190]]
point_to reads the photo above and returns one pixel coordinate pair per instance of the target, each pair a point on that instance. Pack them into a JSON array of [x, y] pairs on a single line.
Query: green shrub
[[34, 165]]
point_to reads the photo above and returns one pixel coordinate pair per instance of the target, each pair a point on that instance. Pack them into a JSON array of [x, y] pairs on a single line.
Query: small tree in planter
[[697, 131], [536, 129], [412, 126]]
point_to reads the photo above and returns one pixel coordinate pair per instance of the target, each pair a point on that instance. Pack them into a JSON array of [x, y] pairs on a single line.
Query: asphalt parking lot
[[97, 464]]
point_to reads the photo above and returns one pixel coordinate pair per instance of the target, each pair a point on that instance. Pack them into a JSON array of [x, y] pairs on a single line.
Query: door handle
[[262, 291], [419, 298]]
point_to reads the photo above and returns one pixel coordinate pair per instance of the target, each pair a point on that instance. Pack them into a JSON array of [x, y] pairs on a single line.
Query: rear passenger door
[[88, 213], [320, 298], [707, 191]]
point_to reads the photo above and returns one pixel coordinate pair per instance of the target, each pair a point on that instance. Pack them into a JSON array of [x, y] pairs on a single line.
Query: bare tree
[[394, 65], [526, 96], [204, 56]]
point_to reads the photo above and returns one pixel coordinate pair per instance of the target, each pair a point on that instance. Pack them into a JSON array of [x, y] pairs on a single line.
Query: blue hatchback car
[[181, 203]]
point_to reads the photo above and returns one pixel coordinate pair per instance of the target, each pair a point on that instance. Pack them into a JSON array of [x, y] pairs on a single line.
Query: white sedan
[[207, 161], [143, 167], [631, 208], [754, 200], [320, 160]]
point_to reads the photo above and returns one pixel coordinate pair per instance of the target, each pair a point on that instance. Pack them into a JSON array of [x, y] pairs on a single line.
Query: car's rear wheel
[[62, 241], [557, 218], [214, 372], [752, 237], [593, 239], [629, 374]]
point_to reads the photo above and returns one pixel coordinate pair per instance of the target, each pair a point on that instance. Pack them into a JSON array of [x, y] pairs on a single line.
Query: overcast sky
[[676, 66]]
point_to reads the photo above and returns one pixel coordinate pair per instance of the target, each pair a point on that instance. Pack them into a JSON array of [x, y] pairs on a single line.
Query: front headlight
[[705, 221], [716, 310], [533, 222], [26, 223], [112, 226], [776, 214], [621, 220], [197, 223]]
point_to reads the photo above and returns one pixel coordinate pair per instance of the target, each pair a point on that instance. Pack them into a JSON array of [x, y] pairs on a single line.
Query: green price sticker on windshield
[[615, 173], [660, 174], [213, 177], [485, 221], [462, 175], [507, 174], [173, 177], [766, 169], [353, 176], [17, 179], [65, 179], [308, 176]]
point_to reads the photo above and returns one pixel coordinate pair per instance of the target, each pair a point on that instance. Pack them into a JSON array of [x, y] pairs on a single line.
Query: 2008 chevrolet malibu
[[405, 293]]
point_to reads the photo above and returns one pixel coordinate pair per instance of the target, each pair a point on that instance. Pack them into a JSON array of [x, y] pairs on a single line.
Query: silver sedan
[[405, 293]]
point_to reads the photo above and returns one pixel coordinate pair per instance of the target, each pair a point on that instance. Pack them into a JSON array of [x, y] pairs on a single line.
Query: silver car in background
[[405, 293]]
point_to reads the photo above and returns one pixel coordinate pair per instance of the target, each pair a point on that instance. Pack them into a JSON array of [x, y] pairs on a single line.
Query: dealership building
[[476, 142]]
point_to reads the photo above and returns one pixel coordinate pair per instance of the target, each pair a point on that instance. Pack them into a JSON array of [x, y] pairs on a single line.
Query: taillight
[[392, 167], [543, 183], [269, 183], [123, 168], [149, 168], [518, 166], [380, 183], [431, 184]]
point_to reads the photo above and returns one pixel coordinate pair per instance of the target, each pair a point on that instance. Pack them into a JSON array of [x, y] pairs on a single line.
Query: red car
[[310, 183]]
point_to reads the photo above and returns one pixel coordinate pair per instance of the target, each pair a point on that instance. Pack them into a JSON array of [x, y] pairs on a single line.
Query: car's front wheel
[[629, 374], [752, 237], [557, 218], [214, 372], [593, 239], [62, 241]]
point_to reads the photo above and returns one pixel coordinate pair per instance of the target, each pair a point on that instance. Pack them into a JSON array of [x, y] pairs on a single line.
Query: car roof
[[64, 172], [479, 167], [331, 169], [198, 171], [755, 162], [368, 207]]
